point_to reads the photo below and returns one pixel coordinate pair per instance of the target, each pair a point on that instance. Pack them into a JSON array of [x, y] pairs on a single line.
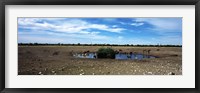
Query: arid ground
[[57, 60]]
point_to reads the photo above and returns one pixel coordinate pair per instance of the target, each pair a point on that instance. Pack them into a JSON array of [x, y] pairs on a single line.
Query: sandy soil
[[57, 60]]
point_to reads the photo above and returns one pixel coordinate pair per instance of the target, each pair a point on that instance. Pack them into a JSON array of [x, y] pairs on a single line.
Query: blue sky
[[100, 30]]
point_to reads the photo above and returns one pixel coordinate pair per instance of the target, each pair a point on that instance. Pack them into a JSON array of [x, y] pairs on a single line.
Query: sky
[[101, 30]]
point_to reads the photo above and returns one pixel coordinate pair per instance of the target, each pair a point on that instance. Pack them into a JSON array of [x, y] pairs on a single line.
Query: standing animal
[[144, 53], [148, 53]]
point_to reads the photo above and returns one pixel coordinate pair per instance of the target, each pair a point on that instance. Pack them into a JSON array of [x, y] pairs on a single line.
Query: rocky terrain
[[57, 60]]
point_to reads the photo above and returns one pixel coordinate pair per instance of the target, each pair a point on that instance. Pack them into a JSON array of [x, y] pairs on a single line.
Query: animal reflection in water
[[133, 55], [85, 54]]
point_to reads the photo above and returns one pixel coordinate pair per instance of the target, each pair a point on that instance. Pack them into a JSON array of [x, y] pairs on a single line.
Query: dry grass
[[50, 60]]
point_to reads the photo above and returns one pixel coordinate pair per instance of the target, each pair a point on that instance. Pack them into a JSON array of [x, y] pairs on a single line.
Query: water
[[88, 55], [117, 56], [132, 56]]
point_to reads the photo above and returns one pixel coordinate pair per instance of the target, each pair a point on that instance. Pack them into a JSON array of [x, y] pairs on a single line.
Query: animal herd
[[146, 52]]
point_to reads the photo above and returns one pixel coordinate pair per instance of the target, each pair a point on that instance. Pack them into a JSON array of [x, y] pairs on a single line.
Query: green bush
[[106, 53]]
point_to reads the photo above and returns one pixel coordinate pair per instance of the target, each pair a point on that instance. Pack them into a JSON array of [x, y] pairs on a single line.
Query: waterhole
[[117, 56]]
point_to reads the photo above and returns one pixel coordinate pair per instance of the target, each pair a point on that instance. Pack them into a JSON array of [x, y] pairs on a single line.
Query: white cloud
[[114, 26], [120, 37], [163, 24], [51, 37], [137, 24], [122, 23], [83, 35], [170, 40], [33, 39], [67, 26], [106, 28]]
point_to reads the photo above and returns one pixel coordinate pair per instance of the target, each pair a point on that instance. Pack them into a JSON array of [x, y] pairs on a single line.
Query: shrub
[[106, 53]]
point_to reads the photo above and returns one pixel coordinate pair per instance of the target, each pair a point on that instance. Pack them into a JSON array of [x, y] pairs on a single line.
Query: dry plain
[[57, 60]]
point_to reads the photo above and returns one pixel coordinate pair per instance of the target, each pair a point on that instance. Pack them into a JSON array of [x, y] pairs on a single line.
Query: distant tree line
[[79, 44]]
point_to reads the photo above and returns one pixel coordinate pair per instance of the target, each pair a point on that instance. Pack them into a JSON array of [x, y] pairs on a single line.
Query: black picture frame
[[3, 3]]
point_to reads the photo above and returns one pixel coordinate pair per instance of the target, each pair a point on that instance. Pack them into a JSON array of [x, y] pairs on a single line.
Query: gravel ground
[[57, 60]]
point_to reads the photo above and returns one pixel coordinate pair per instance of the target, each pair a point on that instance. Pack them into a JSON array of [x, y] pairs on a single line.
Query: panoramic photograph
[[99, 46]]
